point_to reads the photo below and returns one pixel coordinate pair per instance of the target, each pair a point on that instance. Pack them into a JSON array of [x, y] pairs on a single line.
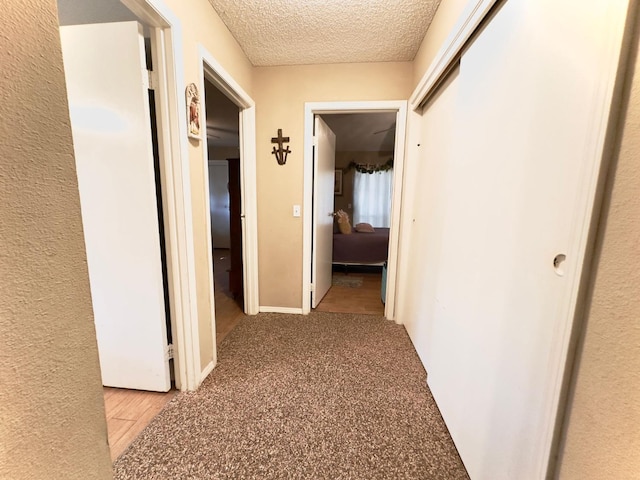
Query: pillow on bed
[[364, 228], [343, 222]]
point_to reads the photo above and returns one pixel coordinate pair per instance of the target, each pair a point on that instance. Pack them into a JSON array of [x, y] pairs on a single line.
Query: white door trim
[[471, 17], [176, 187], [316, 108], [588, 200], [221, 79]]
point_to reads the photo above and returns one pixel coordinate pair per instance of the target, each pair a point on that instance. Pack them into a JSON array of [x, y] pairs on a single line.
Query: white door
[[323, 181], [108, 102], [219, 203], [511, 180]]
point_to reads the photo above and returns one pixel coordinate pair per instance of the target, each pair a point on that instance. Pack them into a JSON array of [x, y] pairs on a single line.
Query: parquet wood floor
[[128, 412], [365, 299], [228, 312]]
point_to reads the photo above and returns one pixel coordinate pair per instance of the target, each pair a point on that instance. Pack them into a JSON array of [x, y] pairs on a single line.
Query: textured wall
[[52, 422], [280, 95], [444, 20], [603, 427], [201, 25]]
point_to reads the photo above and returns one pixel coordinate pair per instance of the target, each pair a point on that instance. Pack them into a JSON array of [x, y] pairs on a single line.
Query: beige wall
[[202, 26], [603, 425], [343, 159], [446, 17], [280, 94], [52, 422]]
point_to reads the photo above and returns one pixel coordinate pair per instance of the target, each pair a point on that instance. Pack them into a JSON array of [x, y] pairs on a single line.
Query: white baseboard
[[207, 370], [295, 311]]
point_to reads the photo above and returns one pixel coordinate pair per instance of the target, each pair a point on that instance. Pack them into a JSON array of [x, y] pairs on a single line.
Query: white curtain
[[372, 198]]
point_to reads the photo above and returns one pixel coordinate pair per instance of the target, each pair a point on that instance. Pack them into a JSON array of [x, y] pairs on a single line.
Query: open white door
[[323, 180], [108, 102]]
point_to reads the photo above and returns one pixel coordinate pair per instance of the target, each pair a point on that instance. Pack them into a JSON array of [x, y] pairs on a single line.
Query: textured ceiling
[[363, 132], [77, 12], [299, 32]]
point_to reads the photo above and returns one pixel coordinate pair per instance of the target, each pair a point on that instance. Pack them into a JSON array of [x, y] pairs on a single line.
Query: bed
[[361, 248]]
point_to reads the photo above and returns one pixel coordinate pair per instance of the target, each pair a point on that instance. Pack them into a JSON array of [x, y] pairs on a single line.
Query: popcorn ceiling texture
[[295, 32], [52, 423]]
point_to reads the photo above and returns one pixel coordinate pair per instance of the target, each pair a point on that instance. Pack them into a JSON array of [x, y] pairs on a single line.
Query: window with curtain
[[372, 198]]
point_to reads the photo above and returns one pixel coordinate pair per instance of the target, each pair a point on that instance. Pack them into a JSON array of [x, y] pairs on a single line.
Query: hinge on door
[[315, 141], [312, 288], [170, 351]]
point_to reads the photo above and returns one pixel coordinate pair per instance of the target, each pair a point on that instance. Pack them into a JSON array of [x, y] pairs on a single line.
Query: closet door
[[426, 187], [532, 91]]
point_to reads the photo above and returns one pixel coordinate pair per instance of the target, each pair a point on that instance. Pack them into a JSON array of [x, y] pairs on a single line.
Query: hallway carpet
[[324, 396]]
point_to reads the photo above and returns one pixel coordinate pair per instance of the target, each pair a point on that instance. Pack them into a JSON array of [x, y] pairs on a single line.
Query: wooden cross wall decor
[[281, 153]]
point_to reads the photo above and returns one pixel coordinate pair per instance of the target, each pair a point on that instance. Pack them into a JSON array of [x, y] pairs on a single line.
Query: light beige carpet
[[324, 396]]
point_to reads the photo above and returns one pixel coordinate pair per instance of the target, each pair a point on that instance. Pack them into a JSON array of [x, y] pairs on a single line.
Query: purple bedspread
[[361, 247]]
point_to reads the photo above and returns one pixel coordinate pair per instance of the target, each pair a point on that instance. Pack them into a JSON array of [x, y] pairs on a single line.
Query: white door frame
[[222, 80], [166, 38], [318, 108]]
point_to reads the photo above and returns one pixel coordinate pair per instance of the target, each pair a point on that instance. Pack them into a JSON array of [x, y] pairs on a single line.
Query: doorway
[[364, 158], [225, 207], [341, 110], [241, 170]]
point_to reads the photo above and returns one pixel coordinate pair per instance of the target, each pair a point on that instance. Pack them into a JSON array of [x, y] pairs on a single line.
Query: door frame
[[167, 50], [213, 71], [319, 108]]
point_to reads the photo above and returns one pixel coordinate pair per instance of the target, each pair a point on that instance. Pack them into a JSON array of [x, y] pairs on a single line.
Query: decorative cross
[[281, 153]]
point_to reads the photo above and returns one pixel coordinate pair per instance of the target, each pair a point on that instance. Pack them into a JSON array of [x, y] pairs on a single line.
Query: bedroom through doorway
[[362, 198]]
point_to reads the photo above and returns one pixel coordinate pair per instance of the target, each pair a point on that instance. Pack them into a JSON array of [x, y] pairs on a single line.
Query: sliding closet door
[[425, 187], [507, 202]]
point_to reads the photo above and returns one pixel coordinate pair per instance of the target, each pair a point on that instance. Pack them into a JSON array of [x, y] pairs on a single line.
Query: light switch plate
[[296, 210]]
